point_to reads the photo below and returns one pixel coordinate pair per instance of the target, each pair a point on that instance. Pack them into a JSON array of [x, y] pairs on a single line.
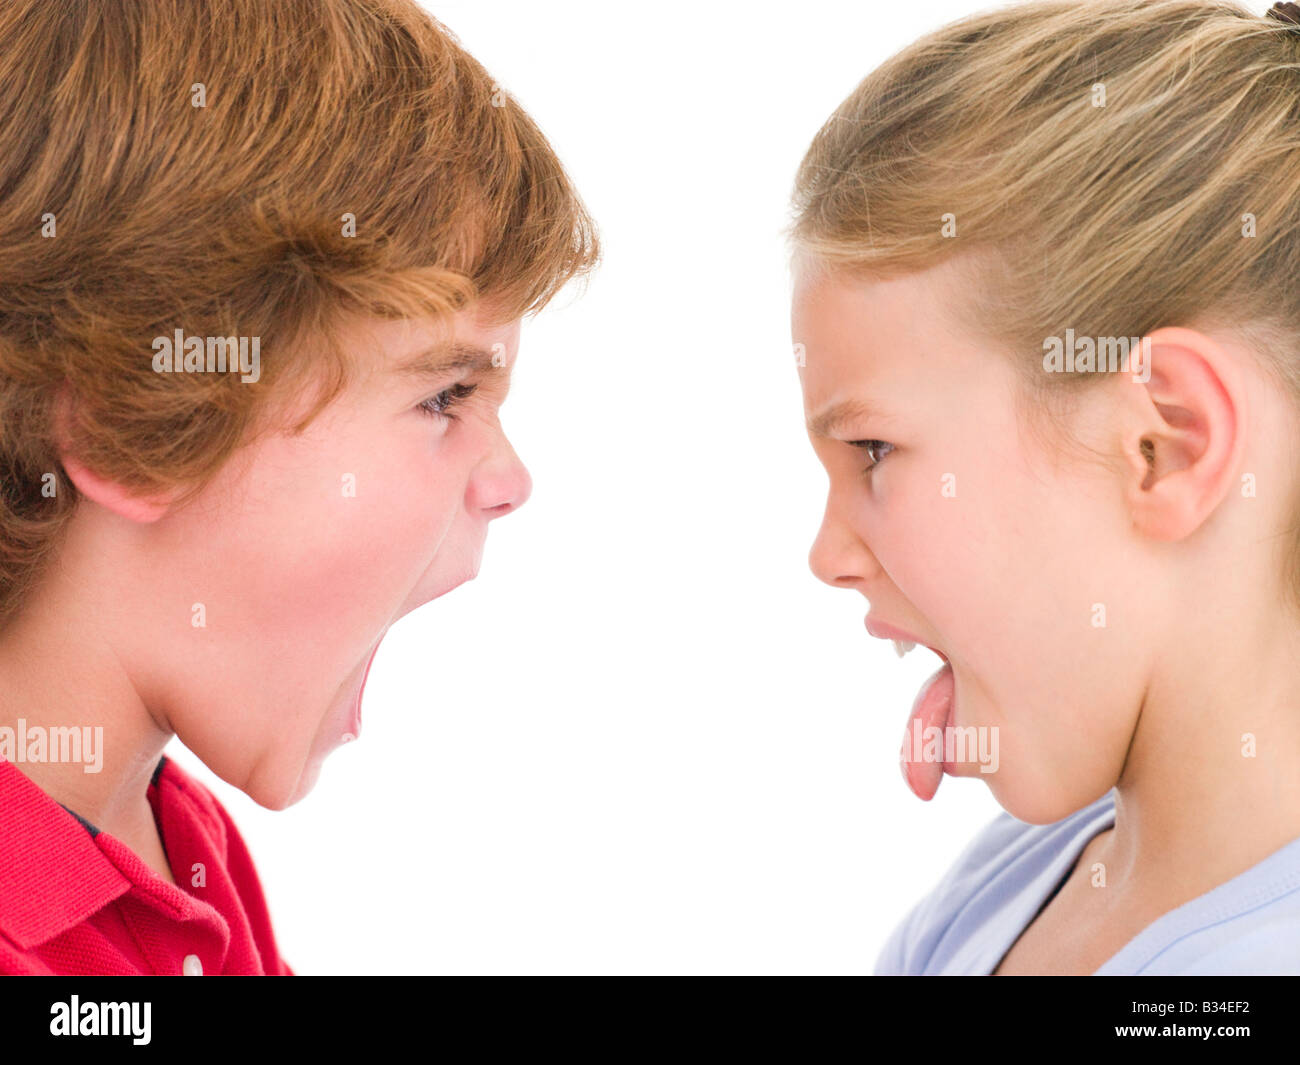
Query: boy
[[265, 266]]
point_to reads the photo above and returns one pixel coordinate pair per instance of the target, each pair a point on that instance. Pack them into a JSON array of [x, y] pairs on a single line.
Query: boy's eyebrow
[[832, 419], [441, 360]]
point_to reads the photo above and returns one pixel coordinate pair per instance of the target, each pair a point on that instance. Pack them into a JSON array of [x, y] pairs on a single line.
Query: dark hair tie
[[1287, 13]]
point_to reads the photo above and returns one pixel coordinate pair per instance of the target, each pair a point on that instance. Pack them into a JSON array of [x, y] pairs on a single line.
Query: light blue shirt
[[1248, 925]]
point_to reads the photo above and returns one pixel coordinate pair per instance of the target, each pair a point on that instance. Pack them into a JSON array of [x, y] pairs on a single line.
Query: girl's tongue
[[931, 709]]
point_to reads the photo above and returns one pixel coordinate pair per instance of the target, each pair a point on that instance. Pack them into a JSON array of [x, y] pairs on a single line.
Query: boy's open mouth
[[931, 709]]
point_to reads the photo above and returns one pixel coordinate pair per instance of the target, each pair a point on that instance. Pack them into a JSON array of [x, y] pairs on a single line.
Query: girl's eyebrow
[[835, 417], [441, 360]]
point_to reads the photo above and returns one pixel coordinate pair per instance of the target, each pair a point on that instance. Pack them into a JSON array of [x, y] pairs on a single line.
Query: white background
[[646, 739]]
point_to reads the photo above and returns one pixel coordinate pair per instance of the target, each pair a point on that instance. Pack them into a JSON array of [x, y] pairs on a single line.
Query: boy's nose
[[502, 484]]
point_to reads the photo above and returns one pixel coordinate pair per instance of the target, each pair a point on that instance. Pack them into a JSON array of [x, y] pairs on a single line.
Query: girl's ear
[[108, 494], [1189, 434]]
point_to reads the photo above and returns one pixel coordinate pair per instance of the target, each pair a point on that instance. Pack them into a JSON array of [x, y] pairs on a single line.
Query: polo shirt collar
[[53, 874]]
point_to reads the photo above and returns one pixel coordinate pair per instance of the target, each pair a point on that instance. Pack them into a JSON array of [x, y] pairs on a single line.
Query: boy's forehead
[[423, 350], [398, 357], [442, 360]]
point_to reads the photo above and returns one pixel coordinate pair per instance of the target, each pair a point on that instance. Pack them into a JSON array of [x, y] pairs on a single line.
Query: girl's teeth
[[901, 647]]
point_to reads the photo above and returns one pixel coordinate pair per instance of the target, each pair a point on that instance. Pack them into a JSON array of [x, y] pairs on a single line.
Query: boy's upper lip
[[882, 630]]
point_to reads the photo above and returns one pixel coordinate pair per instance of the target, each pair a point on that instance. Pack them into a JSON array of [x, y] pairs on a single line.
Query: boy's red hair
[[193, 164]]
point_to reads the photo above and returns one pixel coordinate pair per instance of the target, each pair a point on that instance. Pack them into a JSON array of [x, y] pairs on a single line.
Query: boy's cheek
[[337, 539]]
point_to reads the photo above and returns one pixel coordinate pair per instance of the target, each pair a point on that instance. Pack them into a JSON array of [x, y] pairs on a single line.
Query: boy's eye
[[440, 406], [876, 451]]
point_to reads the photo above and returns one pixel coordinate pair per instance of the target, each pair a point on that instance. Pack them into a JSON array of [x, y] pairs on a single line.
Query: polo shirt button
[[191, 966]]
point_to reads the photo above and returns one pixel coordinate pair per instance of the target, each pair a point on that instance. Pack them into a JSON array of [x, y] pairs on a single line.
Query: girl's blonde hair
[[1111, 167], [238, 168]]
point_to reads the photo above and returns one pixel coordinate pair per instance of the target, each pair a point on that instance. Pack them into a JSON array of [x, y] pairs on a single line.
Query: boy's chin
[[284, 775], [279, 799], [278, 793], [306, 781]]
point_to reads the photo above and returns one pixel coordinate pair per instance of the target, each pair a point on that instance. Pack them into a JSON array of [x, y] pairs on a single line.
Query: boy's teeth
[[901, 647]]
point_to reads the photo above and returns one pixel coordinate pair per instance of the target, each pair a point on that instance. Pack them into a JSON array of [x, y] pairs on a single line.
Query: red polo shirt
[[76, 901]]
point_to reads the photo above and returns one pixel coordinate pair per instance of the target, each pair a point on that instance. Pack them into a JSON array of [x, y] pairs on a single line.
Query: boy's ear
[[108, 494], [1192, 439]]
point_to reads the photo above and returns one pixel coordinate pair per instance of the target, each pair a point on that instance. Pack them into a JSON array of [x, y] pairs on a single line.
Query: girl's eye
[[440, 406], [876, 451]]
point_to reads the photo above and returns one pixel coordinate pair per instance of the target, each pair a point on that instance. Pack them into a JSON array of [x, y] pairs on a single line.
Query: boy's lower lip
[[355, 723], [354, 729]]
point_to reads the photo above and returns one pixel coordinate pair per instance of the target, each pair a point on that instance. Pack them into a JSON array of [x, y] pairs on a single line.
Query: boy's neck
[[80, 731]]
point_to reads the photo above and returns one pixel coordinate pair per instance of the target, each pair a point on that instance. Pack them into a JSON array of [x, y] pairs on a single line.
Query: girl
[[1103, 552]]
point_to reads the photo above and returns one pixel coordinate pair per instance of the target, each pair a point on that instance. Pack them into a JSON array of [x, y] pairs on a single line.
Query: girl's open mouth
[[926, 736], [921, 757]]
